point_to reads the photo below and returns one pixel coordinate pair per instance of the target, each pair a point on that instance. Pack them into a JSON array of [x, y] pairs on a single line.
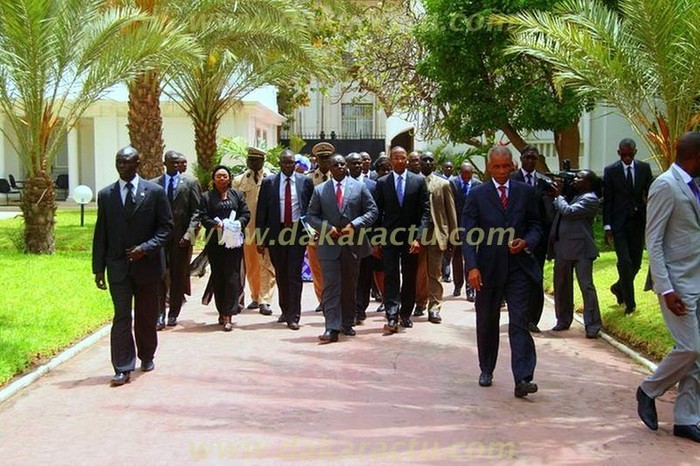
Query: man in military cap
[[258, 268], [322, 151]]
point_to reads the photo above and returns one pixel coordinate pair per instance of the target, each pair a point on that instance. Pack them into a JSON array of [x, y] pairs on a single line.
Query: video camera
[[565, 178]]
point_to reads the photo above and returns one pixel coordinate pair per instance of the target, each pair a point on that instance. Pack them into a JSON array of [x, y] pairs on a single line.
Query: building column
[[73, 160]]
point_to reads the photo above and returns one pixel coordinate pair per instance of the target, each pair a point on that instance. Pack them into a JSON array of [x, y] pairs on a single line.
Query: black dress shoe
[[391, 326], [253, 305], [434, 317], [615, 289], [592, 334], [471, 294], [692, 432], [148, 365], [646, 409], [120, 378], [329, 336], [293, 326], [380, 308], [281, 319], [265, 310], [533, 328], [406, 322], [456, 292], [523, 389], [349, 331], [418, 311], [319, 308], [485, 380], [560, 327], [172, 321], [160, 323], [630, 310]]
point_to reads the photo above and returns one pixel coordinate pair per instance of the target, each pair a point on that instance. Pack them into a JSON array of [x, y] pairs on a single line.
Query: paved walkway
[[264, 394]]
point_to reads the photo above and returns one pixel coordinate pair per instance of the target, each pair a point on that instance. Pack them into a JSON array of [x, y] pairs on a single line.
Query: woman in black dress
[[217, 205]]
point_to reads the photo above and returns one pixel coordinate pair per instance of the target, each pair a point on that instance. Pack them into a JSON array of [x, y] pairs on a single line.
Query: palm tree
[[246, 44], [58, 58], [644, 61]]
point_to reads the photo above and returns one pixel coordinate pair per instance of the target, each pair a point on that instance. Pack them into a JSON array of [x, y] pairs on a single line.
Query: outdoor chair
[[61, 185], [14, 184], [7, 190]]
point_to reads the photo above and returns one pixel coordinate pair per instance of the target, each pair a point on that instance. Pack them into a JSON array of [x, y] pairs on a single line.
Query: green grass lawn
[[47, 302], [645, 329]]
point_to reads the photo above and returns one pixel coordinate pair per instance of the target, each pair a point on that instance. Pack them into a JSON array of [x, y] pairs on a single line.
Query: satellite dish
[[82, 194]]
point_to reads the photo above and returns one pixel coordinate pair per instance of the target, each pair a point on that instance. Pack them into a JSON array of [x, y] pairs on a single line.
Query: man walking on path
[[673, 241], [133, 224]]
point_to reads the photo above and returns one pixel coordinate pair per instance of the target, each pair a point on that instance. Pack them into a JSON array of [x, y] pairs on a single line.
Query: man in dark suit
[[282, 202], [528, 175], [341, 210], [133, 224], [461, 186], [183, 196], [502, 227], [572, 245], [355, 165], [626, 187], [404, 212]]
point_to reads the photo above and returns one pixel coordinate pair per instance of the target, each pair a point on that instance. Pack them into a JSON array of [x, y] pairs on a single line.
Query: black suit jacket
[[267, 217], [148, 226], [414, 211], [184, 206], [456, 185], [619, 202], [483, 210]]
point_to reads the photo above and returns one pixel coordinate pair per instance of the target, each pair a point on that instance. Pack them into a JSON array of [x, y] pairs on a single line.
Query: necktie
[[694, 189], [288, 203], [339, 196], [129, 200], [504, 198], [630, 182], [171, 189], [255, 177], [399, 190], [465, 188], [529, 179]]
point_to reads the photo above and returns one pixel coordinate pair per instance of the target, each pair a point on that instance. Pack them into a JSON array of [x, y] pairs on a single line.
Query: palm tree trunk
[[568, 144], [205, 129], [145, 123], [39, 209]]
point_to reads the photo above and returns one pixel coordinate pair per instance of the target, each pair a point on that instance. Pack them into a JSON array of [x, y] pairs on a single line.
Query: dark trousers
[[145, 299], [340, 289], [459, 273], [629, 246], [364, 286], [445, 269], [287, 261], [226, 278], [535, 300], [564, 292], [177, 278], [488, 315], [399, 291]]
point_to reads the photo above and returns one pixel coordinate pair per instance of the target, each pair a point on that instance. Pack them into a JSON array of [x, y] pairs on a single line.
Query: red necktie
[[288, 204], [339, 196], [504, 198]]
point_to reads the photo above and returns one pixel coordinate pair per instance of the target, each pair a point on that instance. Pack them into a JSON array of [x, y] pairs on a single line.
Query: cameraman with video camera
[[572, 246]]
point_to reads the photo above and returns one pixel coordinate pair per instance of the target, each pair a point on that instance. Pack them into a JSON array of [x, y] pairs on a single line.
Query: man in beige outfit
[[258, 268], [437, 239]]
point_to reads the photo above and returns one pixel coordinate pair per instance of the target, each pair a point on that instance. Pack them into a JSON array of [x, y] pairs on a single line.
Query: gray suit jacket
[[359, 209], [673, 235], [573, 222], [184, 206]]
